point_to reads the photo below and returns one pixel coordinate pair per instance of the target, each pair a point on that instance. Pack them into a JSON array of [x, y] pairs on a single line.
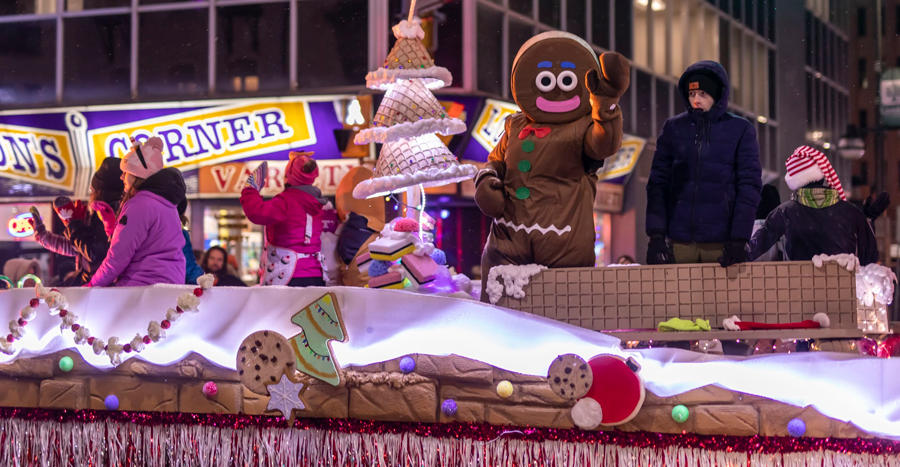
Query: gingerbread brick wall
[[382, 392], [642, 296]]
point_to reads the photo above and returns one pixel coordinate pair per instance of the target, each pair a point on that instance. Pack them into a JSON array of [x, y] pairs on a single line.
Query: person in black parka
[[705, 181], [818, 219]]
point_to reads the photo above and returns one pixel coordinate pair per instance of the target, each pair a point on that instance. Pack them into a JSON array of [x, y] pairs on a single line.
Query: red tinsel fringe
[[476, 432]]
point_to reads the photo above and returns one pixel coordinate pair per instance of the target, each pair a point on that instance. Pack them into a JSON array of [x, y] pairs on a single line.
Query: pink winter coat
[[285, 217], [145, 248]]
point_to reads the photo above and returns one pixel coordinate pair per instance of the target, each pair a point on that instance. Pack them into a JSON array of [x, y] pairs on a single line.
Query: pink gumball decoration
[[210, 390]]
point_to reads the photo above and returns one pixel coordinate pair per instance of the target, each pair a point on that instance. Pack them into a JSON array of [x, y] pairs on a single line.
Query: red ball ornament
[[91, 340], [22, 322], [63, 313], [178, 309], [10, 338], [618, 389], [127, 348], [147, 339], [76, 327], [198, 292], [34, 303], [165, 324]]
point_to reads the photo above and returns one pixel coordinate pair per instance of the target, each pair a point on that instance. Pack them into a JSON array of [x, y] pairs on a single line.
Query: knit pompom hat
[[807, 165], [302, 169], [145, 159]]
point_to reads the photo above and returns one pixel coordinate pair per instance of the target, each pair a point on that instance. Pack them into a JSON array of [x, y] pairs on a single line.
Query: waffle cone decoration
[[408, 110], [409, 60], [423, 160]]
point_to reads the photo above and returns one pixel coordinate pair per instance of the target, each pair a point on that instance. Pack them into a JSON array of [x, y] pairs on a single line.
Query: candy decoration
[[66, 364], [570, 376], [406, 225], [210, 389], [321, 323], [620, 391], [680, 413], [262, 358], [448, 407], [198, 292], [439, 257], [111, 402], [407, 365], [378, 268], [34, 303], [285, 398], [504, 389], [587, 414], [796, 428]]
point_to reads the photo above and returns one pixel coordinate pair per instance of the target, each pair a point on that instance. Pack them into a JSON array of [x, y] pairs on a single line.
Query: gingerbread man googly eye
[[567, 81], [545, 81]]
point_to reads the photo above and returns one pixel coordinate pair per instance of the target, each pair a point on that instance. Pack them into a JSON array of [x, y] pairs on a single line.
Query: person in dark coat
[[769, 201], [818, 219], [215, 262], [192, 269], [86, 237], [705, 180]]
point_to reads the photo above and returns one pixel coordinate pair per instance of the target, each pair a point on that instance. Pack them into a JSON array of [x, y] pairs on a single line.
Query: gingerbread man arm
[[604, 136], [496, 164]]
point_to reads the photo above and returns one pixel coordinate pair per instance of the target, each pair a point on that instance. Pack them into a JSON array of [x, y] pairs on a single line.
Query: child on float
[[293, 225], [146, 245], [88, 227]]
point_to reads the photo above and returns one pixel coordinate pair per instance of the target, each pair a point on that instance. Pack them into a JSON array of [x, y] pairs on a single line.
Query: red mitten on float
[[618, 388], [820, 320]]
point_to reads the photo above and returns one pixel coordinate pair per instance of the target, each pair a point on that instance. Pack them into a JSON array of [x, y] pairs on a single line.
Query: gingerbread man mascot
[[539, 182]]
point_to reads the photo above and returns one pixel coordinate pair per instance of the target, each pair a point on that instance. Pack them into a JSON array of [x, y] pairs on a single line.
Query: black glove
[[874, 209], [658, 251], [734, 252]]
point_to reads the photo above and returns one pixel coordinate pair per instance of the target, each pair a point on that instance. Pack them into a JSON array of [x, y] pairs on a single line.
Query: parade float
[[563, 367]]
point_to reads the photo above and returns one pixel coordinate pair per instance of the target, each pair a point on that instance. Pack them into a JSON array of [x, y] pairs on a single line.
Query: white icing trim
[[434, 176], [408, 30], [515, 277], [380, 134], [845, 260], [434, 77], [543, 230]]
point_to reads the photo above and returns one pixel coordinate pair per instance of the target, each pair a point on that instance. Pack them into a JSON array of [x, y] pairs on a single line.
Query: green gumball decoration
[[66, 364], [680, 413]]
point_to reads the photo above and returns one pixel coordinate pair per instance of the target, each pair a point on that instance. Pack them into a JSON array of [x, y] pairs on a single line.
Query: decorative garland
[[58, 305]]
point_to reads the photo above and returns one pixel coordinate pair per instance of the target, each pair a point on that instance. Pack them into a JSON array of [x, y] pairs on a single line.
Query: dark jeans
[[306, 282]]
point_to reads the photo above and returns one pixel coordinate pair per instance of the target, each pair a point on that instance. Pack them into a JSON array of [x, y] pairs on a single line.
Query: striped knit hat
[[807, 165]]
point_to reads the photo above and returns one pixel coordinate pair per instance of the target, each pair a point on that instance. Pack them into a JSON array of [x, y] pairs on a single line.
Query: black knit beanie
[[108, 176], [706, 83]]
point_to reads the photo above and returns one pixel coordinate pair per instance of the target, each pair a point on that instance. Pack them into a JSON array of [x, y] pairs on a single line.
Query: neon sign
[[19, 227]]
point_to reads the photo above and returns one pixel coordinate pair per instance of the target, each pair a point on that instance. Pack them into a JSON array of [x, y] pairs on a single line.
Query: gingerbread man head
[[548, 77]]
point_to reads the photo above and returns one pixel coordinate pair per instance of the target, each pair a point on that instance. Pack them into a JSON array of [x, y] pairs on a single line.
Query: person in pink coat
[[293, 225], [145, 248]]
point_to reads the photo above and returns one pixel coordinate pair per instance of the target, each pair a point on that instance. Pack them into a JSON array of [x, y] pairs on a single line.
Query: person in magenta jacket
[[293, 225], [145, 248]]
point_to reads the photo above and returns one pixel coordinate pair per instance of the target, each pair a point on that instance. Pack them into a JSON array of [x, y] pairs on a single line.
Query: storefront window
[[519, 32], [600, 32], [490, 31], [252, 48], [173, 52], [575, 18], [228, 227], [97, 57], [80, 5], [333, 38], [523, 6], [27, 7], [28, 57], [548, 13], [623, 22]]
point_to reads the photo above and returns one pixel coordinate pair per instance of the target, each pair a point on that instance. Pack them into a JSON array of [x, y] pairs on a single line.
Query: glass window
[[663, 95], [576, 12], [862, 72], [519, 32], [861, 21], [28, 56], [761, 17], [641, 45], [644, 124], [736, 9], [773, 149], [97, 57], [764, 156], [660, 41], [725, 44], [737, 68], [770, 6], [897, 19], [627, 108], [809, 100], [710, 45], [548, 13], [600, 32], [490, 30], [749, 6], [522, 6], [445, 39], [339, 29], [773, 109], [27, 7], [623, 27], [80, 5], [158, 2], [252, 48], [175, 61]]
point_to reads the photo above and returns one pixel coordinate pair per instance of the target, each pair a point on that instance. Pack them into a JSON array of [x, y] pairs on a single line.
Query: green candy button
[[523, 193], [528, 146], [524, 166]]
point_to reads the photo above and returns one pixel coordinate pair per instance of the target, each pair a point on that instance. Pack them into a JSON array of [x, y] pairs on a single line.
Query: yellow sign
[[214, 135], [38, 156], [623, 162], [228, 179], [490, 124]]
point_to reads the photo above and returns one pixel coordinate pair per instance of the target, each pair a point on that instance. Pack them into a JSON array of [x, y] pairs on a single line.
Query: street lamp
[[851, 145]]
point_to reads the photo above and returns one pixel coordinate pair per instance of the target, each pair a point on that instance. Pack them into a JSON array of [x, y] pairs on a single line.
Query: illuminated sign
[[490, 124], [215, 134], [19, 227], [37, 156], [228, 179], [622, 162]]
